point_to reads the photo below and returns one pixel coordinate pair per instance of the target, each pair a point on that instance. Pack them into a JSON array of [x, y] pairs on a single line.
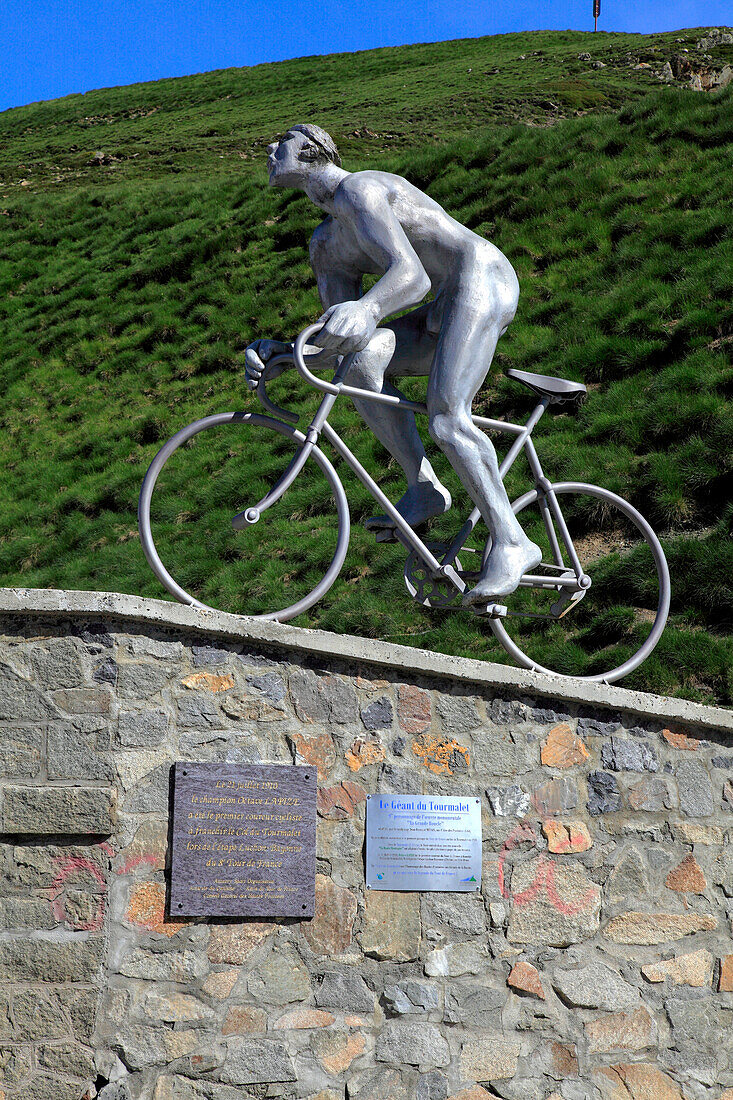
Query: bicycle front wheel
[[214, 469], [605, 631]]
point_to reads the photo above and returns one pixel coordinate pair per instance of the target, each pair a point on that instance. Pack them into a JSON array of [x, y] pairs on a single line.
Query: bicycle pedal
[[386, 534], [492, 611]]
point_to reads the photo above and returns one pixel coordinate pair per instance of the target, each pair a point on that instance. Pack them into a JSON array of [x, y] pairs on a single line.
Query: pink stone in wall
[[640, 1081], [563, 748], [687, 877], [525, 978], [315, 749], [146, 909], [413, 708], [330, 931], [679, 740], [339, 802]]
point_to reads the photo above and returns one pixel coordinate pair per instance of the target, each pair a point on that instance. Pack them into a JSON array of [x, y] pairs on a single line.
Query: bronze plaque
[[244, 841]]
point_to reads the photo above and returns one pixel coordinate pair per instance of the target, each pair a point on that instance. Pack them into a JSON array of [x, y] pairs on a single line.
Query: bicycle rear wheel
[[214, 469], [606, 631]]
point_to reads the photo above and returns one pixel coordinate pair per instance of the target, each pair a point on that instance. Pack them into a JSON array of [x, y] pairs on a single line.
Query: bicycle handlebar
[[301, 341]]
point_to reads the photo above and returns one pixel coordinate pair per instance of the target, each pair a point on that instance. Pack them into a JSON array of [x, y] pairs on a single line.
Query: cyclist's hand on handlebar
[[256, 357], [347, 327]]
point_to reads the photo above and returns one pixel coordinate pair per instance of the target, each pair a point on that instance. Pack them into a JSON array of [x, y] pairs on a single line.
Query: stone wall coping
[[106, 606]]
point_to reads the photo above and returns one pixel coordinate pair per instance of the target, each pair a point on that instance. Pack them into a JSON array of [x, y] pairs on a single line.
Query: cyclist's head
[[321, 147]]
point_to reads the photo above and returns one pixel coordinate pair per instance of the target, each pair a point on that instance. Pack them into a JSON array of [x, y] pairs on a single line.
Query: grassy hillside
[[129, 289]]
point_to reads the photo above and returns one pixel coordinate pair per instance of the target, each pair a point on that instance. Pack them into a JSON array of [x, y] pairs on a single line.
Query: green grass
[[129, 291]]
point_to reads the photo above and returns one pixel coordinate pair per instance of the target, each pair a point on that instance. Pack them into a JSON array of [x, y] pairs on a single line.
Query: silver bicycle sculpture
[[581, 528]]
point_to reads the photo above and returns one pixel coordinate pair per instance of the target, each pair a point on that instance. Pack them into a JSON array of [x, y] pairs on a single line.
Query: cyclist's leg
[[399, 349], [466, 346]]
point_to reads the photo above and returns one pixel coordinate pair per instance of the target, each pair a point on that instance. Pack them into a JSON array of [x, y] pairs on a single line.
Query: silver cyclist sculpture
[[378, 223], [580, 587]]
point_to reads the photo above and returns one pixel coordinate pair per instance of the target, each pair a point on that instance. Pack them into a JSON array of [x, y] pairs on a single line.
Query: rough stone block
[[21, 751], [553, 903], [150, 795], [142, 729], [694, 969], [42, 1086], [38, 1015], [141, 681], [628, 756], [563, 748], [105, 671], [650, 795], [419, 1044], [640, 1081], [198, 712], [509, 801], [46, 810], [474, 1005], [15, 1066], [339, 802], [687, 877], [458, 714], [244, 1020], [649, 928], [391, 928], [412, 995], [66, 1058], [58, 663], [163, 966], [557, 796], [209, 655], [432, 1086], [175, 1008], [280, 980], [336, 1050], [461, 913], [51, 960], [256, 1061], [314, 749], [603, 794], [441, 755], [324, 698], [76, 750], [695, 788], [367, 748], [621, 1031], [567, 836], [525, 978], [84, 700], [269, 686], [456, 959], [414, 708], [234, 943], [490, 1058], [21, 701], [330, 932], [500, 756], [346, 991], [595, 986], [31, 913], [378, 715]]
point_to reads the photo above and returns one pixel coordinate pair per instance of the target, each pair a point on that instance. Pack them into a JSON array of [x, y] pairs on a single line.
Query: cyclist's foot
[[420, 503], [504, 570]]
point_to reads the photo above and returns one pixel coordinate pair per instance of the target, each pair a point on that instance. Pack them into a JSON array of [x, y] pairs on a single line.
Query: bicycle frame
[[319, 426]]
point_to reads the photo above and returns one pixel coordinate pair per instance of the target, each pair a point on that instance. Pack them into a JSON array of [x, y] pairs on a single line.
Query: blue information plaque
[[423, 842]]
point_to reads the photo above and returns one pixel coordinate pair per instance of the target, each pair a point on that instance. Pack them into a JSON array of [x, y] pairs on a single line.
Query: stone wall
[[596, 962]]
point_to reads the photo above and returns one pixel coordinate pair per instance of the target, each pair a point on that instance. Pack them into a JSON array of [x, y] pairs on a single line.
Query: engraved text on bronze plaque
[[244, 841]]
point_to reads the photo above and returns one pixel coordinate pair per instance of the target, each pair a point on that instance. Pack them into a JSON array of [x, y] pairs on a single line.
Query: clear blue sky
[[55, 47]]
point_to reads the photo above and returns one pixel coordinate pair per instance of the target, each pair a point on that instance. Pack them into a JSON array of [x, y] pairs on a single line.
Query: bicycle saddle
[[557, 389]]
